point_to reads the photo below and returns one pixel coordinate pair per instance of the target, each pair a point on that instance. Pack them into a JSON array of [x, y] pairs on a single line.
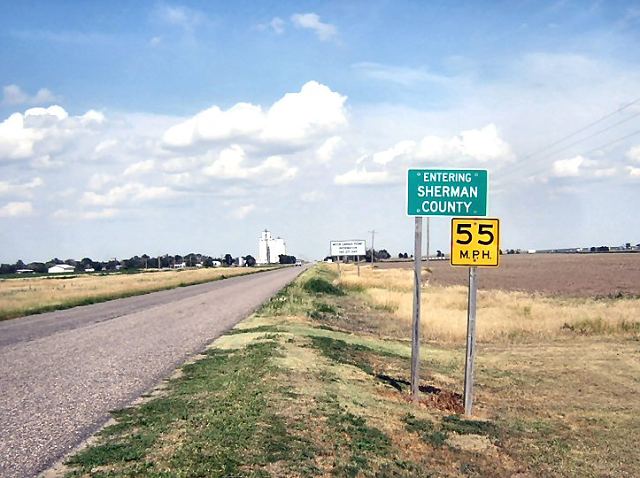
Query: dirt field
[[573, 275]]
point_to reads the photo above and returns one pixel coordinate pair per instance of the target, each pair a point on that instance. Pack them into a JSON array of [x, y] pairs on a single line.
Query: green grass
[[215, 419], [288, 394]]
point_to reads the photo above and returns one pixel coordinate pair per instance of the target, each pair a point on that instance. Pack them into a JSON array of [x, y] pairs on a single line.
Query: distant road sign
[[348, 248], [475, 242], [447, 192]]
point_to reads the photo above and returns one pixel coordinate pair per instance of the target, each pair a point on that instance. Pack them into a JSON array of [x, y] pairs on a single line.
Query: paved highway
[[62, 372]]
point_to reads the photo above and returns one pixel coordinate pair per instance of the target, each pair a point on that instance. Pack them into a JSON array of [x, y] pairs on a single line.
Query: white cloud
[[230, 164], [292, 121], [140, 167], [20, 189], [360, 177], [16, 209], [401, 149], [482, 145], [243, 211], [14, 95], [130, 192], [570, 167], [634, 154], [328, 149], [39, 132], [311, 21]]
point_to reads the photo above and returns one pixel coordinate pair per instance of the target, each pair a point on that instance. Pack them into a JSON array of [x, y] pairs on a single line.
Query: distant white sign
[[348, 248]]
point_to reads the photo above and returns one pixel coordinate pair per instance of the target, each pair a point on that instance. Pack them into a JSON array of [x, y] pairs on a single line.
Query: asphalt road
[[62, 372]]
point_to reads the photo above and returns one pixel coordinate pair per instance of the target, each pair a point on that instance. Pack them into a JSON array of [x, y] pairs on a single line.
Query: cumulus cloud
[[14, 95], [482, 145], [20, 189], [399, 150], [231, 164], [328, 149], [362, 177], [16, 209], [570, 167], [292, 121], [40, 132], [311, 21]]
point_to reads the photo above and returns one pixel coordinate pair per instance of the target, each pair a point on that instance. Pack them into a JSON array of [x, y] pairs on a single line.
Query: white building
[[270, 248], [60, 269]]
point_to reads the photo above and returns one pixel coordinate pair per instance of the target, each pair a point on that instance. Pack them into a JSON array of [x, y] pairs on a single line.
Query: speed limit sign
[[475, 242]]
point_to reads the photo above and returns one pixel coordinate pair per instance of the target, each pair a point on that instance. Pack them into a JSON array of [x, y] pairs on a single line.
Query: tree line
[[135, 263]]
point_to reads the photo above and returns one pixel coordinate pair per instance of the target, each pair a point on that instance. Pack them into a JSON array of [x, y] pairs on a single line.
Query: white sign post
[[354, 247]]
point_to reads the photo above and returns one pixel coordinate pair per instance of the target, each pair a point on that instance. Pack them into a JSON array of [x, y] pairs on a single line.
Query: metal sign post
[[415, 329], [471, 341]]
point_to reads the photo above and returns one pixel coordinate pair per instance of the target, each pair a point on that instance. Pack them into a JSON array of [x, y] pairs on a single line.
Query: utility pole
[[373, 251]]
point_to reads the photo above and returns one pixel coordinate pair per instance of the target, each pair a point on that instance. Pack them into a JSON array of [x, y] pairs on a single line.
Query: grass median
[[316, 384]]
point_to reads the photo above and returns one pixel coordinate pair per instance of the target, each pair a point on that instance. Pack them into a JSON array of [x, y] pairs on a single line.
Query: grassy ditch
[[35, 295], [311, 385]]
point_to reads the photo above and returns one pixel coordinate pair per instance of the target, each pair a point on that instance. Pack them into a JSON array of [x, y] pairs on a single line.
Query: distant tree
[[285, 259], [20, 265], [383, 254], [79, 267], [97, 266], [7, 268], [439, 253], [207, 262], [38, 267], [249, 261], [228, 260]]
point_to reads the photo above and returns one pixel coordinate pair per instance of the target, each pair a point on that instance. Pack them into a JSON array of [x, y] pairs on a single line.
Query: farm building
[[269, 248], [60, 269]]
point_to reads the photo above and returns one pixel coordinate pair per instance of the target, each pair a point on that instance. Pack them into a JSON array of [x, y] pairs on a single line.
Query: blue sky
[[153, 127]]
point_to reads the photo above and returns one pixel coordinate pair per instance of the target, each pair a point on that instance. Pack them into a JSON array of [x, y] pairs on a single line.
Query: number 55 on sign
[[475, 242]]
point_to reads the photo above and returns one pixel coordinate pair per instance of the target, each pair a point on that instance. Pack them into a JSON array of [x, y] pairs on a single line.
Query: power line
[[584, 128], [622, 138], [603, 130]]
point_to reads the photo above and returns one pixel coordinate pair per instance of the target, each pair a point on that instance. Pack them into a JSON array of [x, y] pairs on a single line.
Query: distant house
[[216, 263], [60, 269], [180, 265], [24, 271], [89, 269]]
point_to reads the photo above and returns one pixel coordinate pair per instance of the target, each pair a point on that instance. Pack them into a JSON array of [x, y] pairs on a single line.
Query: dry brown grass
[[501, 314], [20, 296]]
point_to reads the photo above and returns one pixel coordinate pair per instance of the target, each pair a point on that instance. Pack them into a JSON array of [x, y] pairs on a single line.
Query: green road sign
[[447, 192]]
